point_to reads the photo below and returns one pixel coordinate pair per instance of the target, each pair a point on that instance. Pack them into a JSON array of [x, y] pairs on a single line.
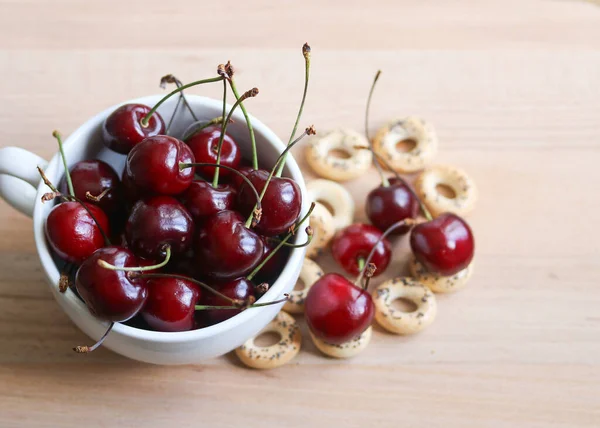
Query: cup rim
[[69, 298]]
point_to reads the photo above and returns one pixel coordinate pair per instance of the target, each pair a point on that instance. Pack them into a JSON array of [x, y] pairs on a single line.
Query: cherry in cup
[[444, 245], [202, 199], [240, 289], [123, 129], [204, 145], [157, 222], [153, 165]]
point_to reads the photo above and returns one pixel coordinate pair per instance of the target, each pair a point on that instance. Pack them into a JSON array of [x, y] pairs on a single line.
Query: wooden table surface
[[513, 88]]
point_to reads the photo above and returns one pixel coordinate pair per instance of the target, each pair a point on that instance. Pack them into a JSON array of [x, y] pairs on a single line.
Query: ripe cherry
[[72, 232], [225, 248], [153, 165], [444, 245], [204, 145], [171, 304], [238, 289], [237, 181], [95, 177], [281, 202], [122, 129], [157, 222], [355, 242], [387, 205], [336, 310], [111, 295], [202, 199]]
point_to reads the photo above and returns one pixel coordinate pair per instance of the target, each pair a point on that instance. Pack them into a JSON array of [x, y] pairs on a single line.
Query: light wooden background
[[513, 88]]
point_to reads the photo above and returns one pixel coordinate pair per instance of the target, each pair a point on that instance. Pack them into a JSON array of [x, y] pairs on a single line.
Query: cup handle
[[19, 178]]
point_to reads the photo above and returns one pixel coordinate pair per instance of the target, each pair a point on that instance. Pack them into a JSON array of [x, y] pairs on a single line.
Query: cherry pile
[[189, 235]]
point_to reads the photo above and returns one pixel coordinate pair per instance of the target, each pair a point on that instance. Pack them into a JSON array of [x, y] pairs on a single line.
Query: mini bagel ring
[[455, 178], [323, 228], [345, 350], [400, 322], [337, 197], [333, 168], [438, 283], [410, 128], [269, 357], [309, 274]]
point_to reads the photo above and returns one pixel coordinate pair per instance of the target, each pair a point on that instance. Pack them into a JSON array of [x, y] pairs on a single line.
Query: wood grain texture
[[513, 88]]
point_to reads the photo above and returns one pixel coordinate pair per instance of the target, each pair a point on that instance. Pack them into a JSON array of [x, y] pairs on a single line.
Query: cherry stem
[[169, 78], [222, 136], [258, 208], [187, 278], [254, 305], [384, 180], [47, 181], [398, 177], [88, 349], [97, 198], [162, 264], [282, 243], [248, 94], [146, 119], [248, 123], [309, 232], [173, 115], [63, 282], [371, 269], [306, 54], [58, 137], [308, 131], [215, 121], [367, 262]]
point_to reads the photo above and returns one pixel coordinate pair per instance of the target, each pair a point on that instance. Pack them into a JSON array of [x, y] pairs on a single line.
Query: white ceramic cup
[[19, 180]]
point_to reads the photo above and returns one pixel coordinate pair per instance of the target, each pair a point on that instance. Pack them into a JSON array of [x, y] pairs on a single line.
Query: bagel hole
[[445, 190], [267, 339], [339, 154], [404, 305], [406, 145], [300, 285], [327, 205]]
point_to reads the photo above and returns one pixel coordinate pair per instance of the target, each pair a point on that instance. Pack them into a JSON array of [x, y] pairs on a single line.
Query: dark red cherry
[[111, 295], [239, 288], [157, 222], [280, 205], [73, 234], [271, 270], [171, 304], [336, 310], [237, 181], [153, 165], [131, 192], [444, 245], [202, 199], [356, 242], [388, 205], [204, 145], [122, 129], [225, 248], [95, 176]]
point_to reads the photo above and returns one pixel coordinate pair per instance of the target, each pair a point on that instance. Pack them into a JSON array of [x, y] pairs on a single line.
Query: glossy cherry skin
[[388, 205], [122, 129], [111, 295], [239, 288], [237, 181], [95, 176], [205, 144], [171, 304], [203, 200], [444, 245], [225, 248], [153, 165], [336, 310], [356, 241], [157, 222], [280, 205], [73, 234]]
